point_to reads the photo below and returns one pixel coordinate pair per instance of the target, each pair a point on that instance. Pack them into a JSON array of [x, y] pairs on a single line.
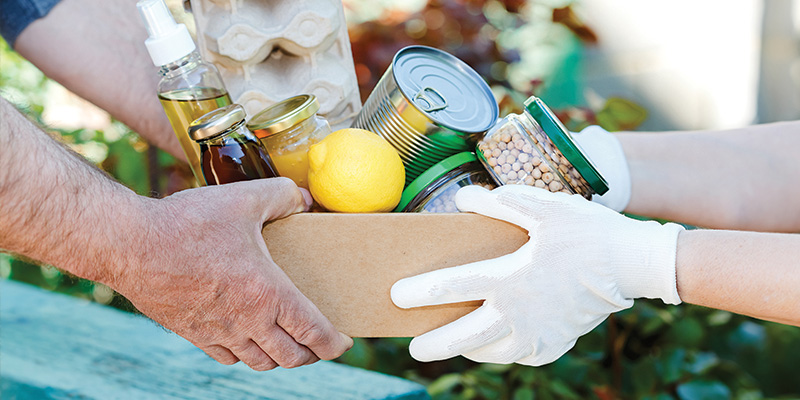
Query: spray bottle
[[189, 87]]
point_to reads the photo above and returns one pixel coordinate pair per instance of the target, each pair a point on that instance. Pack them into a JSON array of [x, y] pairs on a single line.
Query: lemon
[[354, 170]]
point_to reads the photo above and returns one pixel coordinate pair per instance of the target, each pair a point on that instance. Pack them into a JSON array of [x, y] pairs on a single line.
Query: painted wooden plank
[[54, 346]]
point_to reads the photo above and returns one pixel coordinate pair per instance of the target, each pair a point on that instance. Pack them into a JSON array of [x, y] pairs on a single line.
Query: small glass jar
[[435, 189], [287, 130], [228, 151], [535, 149]]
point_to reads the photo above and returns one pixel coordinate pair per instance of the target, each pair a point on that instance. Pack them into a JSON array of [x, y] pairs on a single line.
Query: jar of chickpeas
[[535, 149], [435, 189]]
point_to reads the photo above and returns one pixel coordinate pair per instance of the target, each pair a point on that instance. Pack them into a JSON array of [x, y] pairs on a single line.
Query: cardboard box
[[346, 263]]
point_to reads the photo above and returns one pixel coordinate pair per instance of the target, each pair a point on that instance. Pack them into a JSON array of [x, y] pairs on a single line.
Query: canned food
[[534, 148], [434, 190], [429, 105], [287, 130]]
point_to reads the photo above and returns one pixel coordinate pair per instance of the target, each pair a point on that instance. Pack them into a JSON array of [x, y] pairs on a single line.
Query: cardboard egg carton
[[268, 51]]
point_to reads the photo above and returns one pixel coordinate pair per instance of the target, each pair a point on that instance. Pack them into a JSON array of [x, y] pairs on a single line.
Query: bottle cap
[[283, 115], [168, 41], [563, 140], [430, 176], [216, 122]]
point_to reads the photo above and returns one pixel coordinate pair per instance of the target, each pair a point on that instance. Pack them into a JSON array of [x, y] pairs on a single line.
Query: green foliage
[[651, 351]]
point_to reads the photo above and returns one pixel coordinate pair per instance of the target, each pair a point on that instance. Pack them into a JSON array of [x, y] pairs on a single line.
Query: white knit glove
[[606, 154], [583, 262]]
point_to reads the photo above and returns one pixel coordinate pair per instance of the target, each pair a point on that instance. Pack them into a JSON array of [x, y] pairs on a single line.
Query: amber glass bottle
[[228, 150]]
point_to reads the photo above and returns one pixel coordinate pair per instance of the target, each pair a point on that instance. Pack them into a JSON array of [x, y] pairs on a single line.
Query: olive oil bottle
[[183, 106], [189, 86]]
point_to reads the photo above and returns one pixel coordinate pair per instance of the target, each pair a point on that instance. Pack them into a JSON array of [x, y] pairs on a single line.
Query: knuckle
[[308, 335]]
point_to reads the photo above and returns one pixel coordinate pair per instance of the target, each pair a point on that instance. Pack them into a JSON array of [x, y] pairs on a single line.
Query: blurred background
[[623, 64]]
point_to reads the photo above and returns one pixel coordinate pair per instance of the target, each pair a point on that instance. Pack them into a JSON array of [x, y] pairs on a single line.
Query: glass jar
[[228, 151], [287, 130], [535, 149], [435, 189]]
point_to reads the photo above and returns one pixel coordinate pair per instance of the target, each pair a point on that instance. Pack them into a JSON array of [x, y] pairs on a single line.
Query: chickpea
[[516, 166], [539, 184]]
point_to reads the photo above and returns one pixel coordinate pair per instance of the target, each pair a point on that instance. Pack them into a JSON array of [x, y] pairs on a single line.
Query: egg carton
[[268, 51]]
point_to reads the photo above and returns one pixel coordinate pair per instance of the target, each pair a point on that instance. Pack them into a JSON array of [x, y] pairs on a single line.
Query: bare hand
[[204, 272]]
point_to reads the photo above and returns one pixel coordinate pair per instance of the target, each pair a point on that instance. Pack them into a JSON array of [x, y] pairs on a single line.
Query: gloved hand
[[582, 263], [606, 153]]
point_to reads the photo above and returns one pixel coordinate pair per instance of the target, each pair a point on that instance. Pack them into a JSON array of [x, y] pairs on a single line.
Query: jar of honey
[[287, 130], [228, 151]]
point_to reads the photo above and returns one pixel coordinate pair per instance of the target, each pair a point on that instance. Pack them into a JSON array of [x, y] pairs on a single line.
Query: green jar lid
[[433, 174], [561, 137]]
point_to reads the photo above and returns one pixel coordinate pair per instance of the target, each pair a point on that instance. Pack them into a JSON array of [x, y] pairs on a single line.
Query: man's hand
[[203, 271], [582, 263]]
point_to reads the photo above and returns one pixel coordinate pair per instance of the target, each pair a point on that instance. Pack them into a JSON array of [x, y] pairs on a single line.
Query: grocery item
[[229, 152], [429, 105], [189, 87], [287, 130], [353, 170], [535, 149], [434, 191]]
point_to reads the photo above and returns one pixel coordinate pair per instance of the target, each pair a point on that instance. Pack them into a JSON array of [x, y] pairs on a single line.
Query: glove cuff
[[647, 265]]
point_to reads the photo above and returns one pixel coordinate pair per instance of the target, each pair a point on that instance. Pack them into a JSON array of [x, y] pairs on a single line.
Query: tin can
[[429, 105]]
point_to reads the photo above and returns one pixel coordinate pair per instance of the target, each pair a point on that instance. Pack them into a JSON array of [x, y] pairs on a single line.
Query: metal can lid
[[216, 122], [447, 90], [433, 174], [283, 115], [561, 137]]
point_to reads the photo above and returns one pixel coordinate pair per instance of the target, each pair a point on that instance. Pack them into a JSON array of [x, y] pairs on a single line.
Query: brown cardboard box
[[347, 263]]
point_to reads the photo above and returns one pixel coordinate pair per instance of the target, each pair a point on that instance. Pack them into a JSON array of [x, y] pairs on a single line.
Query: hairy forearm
[[750, 273], [734, 179], [56, 208], [96, 50]]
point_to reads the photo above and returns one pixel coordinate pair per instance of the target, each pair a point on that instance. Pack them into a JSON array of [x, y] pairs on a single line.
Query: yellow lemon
[[354, 170]]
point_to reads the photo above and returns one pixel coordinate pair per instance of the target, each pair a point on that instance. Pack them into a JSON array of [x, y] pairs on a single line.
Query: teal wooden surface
[[53, 346]]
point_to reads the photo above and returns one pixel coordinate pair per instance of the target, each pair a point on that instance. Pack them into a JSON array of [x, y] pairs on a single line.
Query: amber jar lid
[[216, 122], [283, 115]]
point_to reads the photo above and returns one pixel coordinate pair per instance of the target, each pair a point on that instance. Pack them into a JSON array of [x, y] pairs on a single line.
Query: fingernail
[[347, 339]]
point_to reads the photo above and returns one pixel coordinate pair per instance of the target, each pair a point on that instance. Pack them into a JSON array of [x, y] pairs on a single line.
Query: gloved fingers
[[606, 153], [466, 282], [545, 354], [504, 351], [521, 205], [481, 327]]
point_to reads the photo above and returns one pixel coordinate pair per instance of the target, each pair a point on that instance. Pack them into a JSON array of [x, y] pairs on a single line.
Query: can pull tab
[[429, 104]]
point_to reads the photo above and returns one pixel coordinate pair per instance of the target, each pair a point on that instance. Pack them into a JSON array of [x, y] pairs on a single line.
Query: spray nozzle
[[168, 41], [157, 18]]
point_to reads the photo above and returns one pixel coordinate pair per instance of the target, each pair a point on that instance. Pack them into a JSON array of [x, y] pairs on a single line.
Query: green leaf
[[445, 384], [705, 390], [524, 394]]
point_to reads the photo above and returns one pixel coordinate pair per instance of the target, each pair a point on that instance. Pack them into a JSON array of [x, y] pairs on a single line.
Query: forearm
[[734, 179], [96, 49], [750, 273], [56, 208]]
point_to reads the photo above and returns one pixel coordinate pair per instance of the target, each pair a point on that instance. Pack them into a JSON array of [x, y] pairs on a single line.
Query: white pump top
[[168, 41]]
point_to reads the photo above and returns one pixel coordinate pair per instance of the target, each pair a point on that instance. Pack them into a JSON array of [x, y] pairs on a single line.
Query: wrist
[[646, 262], [116, 239]]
